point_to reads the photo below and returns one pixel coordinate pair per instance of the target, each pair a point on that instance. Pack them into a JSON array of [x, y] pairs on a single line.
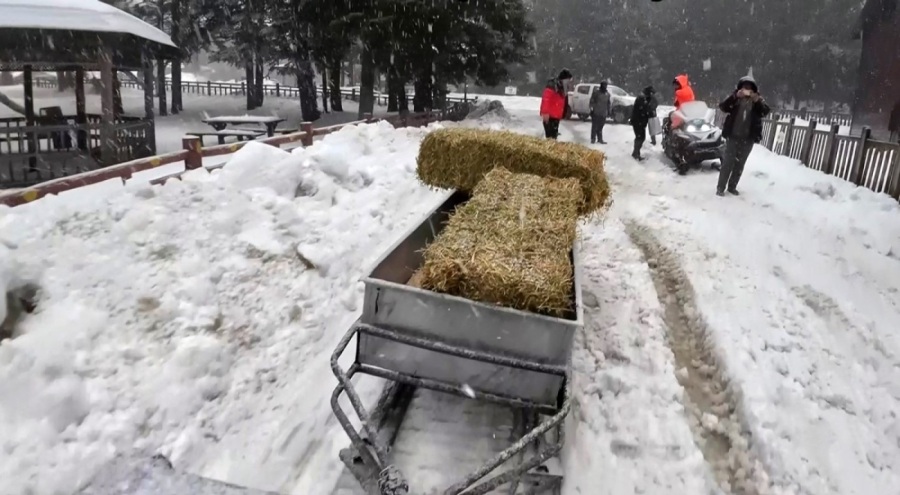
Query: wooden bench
[[240, 134]]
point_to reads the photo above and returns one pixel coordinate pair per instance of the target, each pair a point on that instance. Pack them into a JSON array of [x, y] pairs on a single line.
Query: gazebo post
[[28, 83], [108, 141], [80, 108], [147, 69]]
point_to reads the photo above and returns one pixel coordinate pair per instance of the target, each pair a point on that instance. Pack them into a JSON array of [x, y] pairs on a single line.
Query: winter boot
[[637, 151]]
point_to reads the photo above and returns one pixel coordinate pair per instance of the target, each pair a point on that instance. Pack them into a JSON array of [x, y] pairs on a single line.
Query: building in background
[[878, 91]]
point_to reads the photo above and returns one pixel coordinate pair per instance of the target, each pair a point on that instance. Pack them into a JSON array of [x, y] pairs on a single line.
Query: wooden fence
[[859, 159], [215, 88], [193, 154]]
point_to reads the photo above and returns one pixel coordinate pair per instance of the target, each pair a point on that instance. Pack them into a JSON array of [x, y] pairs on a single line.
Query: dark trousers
[[597, 123], [551, 129], [736, 153], [640, 135]]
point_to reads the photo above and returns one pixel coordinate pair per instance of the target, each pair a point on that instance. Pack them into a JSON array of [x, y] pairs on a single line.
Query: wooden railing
[[193, 154], [859, 159]]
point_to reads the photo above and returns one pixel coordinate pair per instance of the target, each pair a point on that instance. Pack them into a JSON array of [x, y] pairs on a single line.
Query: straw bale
[[458, 158], [510, 244]]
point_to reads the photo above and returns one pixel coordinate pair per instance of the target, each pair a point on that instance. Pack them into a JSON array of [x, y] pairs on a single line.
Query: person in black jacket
[[744, 110], [640, 117]]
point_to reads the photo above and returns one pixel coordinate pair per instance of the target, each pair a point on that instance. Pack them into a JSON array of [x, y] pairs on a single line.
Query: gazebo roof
[[57, 32]]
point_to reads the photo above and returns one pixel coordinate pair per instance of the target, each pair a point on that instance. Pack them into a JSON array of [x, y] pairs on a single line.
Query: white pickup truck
[[580, 102]]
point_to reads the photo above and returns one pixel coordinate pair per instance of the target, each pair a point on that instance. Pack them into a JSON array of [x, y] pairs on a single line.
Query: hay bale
[[509, 244], [459, 158]]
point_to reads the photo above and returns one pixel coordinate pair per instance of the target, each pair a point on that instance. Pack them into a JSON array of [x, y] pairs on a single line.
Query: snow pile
[[489, 109], [170, 315]]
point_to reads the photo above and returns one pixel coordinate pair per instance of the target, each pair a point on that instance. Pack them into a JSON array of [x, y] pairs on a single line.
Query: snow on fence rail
[[193, 154], [859, 159]]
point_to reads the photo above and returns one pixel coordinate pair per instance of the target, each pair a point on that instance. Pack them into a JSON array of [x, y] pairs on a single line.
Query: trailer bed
[[437, 352]]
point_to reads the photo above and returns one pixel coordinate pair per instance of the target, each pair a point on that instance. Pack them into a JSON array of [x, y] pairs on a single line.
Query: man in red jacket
[[683, 91], [554, 103]]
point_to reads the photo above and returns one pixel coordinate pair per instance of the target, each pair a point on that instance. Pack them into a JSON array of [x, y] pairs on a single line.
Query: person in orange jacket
[[683, 91], [554, 102]]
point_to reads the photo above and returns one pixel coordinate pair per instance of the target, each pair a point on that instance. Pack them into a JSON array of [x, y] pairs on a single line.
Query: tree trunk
[[260, 82], [402, 100], [161, 87], [324, 90], [177, 105], [306, 84], [337, 101], [422, 100], [395, 86], [366, 82], [249, 86]]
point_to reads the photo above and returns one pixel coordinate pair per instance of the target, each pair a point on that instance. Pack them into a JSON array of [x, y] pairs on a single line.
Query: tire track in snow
[[714, 414]]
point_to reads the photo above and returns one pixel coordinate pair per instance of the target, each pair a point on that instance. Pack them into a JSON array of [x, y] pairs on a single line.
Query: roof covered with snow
[[76, 15]]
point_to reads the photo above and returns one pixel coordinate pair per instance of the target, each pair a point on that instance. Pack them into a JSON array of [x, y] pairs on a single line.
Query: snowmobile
[[691, 137]]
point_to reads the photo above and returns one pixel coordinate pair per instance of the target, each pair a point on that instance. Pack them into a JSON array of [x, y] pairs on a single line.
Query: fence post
[[307, 128], [208, 88], [856, 169], [830, 150], [194, 159], [243, 88], [278, 89], [807, 143], [770, 139], [788, 136]]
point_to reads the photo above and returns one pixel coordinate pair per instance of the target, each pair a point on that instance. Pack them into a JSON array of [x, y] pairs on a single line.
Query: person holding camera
[[744, 110]]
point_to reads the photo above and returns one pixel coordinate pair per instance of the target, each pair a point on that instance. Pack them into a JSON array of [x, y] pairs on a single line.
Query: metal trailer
[[418, 338]]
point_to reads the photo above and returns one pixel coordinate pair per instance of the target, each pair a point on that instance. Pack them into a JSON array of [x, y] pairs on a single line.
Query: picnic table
[[220, 123]]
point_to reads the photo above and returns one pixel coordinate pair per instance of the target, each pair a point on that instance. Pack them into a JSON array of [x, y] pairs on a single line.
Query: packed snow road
[[732, 345]]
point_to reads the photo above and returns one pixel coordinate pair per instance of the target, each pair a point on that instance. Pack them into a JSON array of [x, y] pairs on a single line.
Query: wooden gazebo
[[77, 36]]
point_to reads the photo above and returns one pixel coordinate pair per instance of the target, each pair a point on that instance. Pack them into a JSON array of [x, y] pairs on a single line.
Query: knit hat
[[649, 90], [564, 74]]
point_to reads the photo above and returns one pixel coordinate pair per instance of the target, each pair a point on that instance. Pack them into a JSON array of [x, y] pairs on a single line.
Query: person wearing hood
[[640, 117], [683, 91], [600, 109], [744, 110], [554, 102]]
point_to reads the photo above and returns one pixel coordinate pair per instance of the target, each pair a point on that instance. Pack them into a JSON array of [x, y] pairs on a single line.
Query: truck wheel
[[583, 117]]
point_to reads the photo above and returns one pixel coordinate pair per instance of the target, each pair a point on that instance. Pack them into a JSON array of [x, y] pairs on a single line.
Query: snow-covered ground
[[735, 345]]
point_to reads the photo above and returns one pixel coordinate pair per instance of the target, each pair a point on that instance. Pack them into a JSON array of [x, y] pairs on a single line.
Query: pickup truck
[[580, 100]]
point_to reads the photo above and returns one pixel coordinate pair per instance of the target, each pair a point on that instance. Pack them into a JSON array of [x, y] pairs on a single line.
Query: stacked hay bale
[[510, 243], [459, 158]]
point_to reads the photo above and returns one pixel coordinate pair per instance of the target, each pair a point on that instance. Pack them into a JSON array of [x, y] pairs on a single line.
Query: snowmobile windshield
[[694, 111]]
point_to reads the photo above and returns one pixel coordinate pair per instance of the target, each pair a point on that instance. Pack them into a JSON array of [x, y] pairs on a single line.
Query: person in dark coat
[[743, 127], [653, 106], [640, 117], [554, 102], [894, 123], [600, 109]]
